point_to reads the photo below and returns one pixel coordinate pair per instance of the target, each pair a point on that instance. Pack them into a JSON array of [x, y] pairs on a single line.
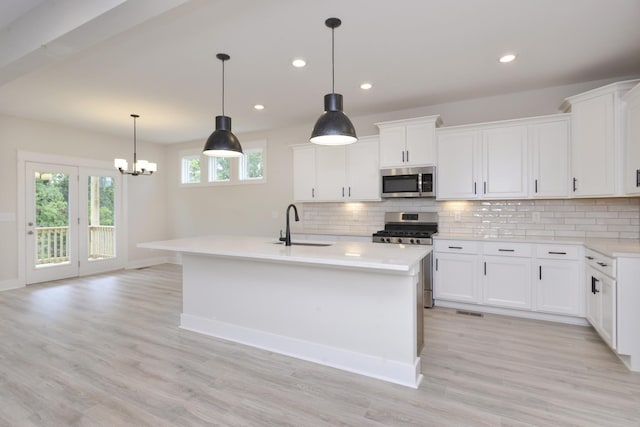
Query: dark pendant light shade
[[333, 127], [222, 142]]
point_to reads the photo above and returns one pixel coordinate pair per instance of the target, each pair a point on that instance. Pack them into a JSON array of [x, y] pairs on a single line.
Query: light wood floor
[[106, 350]]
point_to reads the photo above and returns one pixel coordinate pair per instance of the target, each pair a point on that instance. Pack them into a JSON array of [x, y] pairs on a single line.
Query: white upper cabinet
[[337, 173], [458, 166], [504, 160], [407, 143], [632, 141], [597, 143], [304, 173], [331, 172], [363, 170], [549, 156]]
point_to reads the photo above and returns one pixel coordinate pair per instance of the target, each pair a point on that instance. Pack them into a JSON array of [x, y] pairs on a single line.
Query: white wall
[[146, 204]]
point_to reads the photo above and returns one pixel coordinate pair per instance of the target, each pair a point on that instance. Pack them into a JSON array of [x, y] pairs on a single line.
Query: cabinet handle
[[475, 187], [436, 264], [485, 268], [455, 247], [601, 264], [536, 185], [342, 191], [559, 253], [402, 156], [485, 187], [575, 184], [506, 250], [589, 257], [407, 156], [594, 289], [313, 193], [540, 272], [637, 177], [349, 191]]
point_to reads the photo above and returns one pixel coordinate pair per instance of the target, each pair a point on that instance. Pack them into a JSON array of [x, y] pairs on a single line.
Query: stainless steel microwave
[[408, 182]]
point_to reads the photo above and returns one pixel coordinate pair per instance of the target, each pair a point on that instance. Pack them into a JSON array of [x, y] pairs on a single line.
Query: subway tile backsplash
[[617, 218]]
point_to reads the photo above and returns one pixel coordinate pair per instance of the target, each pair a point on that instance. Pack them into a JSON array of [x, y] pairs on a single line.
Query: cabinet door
[[505, 162], [593, 298], [593, 146], [419, 145], [363, 170], [331, 174], [455, 277], [304, 174], [559, 289], [608, 311], [392, 146], [632, 144], [457, 169], [507, 282], [550, 150]]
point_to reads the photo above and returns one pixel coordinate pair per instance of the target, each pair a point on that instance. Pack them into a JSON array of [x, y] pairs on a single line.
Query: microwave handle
[[419, 182]]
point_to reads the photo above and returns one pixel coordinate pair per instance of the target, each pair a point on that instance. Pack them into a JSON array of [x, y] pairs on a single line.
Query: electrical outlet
[[456, 216], [535, 217]]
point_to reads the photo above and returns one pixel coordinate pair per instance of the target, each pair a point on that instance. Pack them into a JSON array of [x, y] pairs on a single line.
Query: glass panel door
[[100, 194], [52, 222]]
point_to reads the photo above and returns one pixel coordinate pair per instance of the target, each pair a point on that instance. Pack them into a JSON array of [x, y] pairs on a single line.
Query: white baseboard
[[581, 321], [148, 262], [5, 285], [387, 370]]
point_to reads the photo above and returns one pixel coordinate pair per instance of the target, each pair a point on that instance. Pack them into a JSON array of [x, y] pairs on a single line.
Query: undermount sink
[[304, 243]]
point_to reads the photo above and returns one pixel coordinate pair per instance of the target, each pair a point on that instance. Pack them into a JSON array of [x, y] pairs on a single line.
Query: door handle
[[30, 232], [30, 224]]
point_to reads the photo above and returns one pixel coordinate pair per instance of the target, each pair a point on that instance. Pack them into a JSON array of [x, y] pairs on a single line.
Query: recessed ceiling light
[[259, 107], [507, 58], [366, 86], [299, 62]]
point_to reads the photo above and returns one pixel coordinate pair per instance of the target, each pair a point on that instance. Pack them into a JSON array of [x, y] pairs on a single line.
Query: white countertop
[[367, 255], [609, 247]]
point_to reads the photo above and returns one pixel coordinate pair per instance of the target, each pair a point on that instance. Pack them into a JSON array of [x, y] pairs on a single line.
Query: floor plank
[[105, 350]]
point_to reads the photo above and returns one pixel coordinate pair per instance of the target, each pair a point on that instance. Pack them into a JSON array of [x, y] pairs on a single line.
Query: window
[[219, 169], [252, 164], [190, 169], [248, 169]]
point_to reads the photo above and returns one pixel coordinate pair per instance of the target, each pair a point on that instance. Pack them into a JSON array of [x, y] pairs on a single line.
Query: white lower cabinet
[[522, 276], [456, 276], [601, 296], [506, 282]]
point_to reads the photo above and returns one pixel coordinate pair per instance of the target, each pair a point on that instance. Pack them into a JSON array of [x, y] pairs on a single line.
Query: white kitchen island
[[354, 306]]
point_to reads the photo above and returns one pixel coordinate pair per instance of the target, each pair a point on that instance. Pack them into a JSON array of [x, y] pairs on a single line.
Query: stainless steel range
[[412, 228]]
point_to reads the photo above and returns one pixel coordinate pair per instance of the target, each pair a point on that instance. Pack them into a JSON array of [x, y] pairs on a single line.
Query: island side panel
[[360, 320]]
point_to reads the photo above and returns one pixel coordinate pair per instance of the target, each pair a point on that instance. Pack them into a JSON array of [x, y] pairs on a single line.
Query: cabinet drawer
[[456, 246], [601, 263], [507, 249], [546, 251]]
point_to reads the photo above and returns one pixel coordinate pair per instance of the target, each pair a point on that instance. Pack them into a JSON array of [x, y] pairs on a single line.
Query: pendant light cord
[[135, 160], [333, 66], [223, 87]]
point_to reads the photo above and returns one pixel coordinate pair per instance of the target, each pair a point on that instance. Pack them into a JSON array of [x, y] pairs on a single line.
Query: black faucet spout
[[287, 235]]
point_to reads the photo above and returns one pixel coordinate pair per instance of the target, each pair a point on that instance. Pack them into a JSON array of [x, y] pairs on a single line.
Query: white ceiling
[[91, 64]]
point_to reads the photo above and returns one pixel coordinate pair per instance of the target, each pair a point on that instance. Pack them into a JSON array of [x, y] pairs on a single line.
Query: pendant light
[[333, 127], [140, 167], [222, 143]]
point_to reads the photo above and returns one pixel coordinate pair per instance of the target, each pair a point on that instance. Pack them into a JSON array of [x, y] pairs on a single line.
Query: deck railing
[[52, 244]]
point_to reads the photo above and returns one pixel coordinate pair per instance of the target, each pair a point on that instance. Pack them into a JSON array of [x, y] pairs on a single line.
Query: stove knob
[[417, 241], [388, 240], [399, 240], [411, 241]]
